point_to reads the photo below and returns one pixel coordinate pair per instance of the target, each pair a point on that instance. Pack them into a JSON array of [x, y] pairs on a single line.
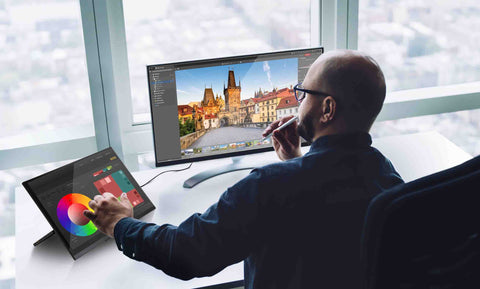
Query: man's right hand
[[286, 142]]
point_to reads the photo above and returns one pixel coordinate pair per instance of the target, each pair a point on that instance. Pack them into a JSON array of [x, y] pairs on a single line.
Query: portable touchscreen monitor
[[63, 194]]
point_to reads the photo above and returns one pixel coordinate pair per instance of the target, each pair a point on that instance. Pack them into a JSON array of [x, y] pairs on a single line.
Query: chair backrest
[[426, 233]]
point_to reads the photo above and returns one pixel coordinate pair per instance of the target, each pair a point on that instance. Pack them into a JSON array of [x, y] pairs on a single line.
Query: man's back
[[313, 211]]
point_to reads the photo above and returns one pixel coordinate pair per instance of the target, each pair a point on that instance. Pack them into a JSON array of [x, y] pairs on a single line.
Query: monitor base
[[236, 165], [39, 241]]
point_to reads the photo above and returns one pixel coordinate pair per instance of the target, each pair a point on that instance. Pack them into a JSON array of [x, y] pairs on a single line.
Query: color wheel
[[70, 214]]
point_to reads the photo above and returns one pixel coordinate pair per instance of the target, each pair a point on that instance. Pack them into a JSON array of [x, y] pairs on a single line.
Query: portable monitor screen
[[214, 108], [63, 194]]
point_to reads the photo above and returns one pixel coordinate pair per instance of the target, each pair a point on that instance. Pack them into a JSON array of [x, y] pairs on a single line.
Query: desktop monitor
[[215, 108]]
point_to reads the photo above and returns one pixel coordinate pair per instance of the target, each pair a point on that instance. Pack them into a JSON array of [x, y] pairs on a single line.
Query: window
[[426, 44], [44, 88], [459, 127], [422, 44], [164, 31]]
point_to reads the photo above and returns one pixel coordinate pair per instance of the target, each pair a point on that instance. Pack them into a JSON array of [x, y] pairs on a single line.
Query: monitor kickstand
[[44, 238]]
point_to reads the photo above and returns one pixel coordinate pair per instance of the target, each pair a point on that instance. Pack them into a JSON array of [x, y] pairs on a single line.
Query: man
[[296, 223]]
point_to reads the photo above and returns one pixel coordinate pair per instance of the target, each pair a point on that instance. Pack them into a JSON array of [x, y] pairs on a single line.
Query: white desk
[[50, 266]]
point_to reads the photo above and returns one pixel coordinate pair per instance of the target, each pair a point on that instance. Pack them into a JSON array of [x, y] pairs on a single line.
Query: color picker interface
[[116, 184], [70, 214]]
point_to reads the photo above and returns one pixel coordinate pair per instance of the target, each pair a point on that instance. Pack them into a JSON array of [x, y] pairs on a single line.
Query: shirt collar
[[352, 140]]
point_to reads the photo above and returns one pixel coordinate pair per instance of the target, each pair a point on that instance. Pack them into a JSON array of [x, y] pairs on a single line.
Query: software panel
[[219, 107]]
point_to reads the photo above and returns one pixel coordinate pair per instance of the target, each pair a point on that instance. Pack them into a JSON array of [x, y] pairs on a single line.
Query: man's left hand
[[108, 210]]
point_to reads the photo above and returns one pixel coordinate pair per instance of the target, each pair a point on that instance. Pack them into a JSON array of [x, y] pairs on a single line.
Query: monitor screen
[[219, 107]]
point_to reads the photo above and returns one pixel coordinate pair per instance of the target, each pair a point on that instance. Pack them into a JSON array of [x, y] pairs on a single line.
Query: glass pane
[[460, 127], [44, 88], [166, 31], [422, 43]]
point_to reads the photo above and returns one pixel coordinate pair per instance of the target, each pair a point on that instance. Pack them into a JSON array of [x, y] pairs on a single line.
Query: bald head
[[355, 81]]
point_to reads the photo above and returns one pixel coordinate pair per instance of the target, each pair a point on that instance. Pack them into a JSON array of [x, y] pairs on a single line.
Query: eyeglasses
[[300, 92]]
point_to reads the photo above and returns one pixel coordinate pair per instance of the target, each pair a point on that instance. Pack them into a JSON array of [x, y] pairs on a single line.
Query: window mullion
[[339, 24], [352, 25], [315, 23], [94, 73], [110, 71]]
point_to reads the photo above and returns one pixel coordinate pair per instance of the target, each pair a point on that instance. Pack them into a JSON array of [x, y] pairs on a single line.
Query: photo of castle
[[232, 104]]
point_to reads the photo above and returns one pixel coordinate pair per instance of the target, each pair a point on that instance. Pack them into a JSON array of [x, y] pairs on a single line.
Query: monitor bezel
[[203, 61], [88, 246]]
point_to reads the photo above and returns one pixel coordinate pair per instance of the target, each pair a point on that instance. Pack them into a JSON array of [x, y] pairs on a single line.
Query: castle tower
[[209, 103], [232, 93], [208, 97]]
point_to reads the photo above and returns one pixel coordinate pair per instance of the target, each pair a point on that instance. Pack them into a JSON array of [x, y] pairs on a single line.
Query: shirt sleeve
[[203, 244]]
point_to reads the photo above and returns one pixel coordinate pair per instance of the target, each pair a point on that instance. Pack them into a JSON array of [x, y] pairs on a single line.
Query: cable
[[179, 170]]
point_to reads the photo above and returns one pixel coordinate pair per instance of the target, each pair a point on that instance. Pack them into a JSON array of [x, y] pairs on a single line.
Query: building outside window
[[422, 44], [166, 31]]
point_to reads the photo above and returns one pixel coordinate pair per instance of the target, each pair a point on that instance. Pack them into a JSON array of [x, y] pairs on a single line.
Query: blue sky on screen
[[279, 73]]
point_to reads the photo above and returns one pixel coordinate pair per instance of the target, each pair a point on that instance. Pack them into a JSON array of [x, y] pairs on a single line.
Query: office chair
[[426, 233]]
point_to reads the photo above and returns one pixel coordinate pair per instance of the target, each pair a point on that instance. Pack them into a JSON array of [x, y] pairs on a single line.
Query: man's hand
[[108, 210], [286, 142]]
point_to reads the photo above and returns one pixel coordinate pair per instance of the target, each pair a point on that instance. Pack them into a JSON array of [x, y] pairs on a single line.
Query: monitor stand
[[51, 233], [236, 165]]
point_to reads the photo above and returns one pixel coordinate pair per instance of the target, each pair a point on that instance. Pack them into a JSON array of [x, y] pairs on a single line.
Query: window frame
[[107, 62]]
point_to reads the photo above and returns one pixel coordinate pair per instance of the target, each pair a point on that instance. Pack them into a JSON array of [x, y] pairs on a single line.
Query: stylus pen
[[281, 127]]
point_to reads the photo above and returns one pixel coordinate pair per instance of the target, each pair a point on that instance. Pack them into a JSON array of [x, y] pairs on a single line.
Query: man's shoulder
[[281, 170], [295, 173], [277, 176], [312, 161], [325, 160]]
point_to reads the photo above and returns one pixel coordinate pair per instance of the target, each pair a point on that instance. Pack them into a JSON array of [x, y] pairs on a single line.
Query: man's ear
[[329, 109]]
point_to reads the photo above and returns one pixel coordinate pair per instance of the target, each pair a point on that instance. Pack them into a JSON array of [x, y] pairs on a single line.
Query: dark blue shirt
[[297, 223]]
